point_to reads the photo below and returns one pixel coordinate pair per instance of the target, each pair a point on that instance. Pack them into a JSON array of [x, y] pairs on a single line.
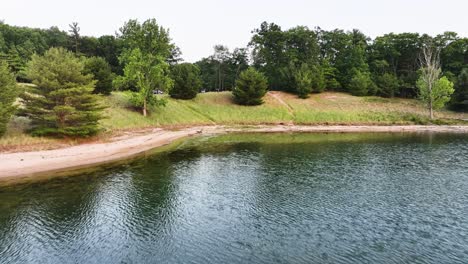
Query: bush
[[8, 94], [61, 103], [187, 81], [250, 87], [101, 72]]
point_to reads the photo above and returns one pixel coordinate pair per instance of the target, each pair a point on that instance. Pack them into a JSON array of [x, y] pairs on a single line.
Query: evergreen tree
[[250, 87], [8, 94], [187, 81], [387, 84], [460, 97], [102, 73], [61, 103], [303, 80], [360, 84]]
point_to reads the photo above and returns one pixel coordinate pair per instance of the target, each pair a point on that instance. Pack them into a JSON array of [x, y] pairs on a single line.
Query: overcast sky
[[197, 25]]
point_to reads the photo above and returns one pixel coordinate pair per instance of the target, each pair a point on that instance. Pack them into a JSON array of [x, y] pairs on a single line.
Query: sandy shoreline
[[28, 164]]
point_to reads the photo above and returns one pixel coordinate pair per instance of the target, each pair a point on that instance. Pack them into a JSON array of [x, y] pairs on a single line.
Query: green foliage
[[303, 80], [275, 50], [329, 74], [220, 70], [318, 79], [250, 87], [8, 94], [460, 98], [360, 83], [187, 81], [440, 93], [145, 58], [387, 85], [101, 72], [61, 103]]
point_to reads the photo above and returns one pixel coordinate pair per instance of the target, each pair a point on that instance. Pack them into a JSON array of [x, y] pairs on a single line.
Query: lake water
[[307, 198]]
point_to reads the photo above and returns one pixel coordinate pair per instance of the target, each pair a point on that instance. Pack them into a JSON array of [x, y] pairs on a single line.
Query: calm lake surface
[[308, 198]]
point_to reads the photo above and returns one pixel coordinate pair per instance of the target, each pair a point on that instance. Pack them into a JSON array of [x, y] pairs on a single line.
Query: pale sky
[[197, 25]]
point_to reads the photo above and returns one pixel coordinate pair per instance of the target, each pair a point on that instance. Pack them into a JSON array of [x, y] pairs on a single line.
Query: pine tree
[[61, 103], [187, 81], [8, 94], [250, 87]]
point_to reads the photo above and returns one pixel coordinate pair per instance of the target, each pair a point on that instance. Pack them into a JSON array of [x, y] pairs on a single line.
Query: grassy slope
[[218, 108], [279, 107]]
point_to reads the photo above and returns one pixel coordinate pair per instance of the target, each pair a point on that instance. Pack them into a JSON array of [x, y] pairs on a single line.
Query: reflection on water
[[308, 198]]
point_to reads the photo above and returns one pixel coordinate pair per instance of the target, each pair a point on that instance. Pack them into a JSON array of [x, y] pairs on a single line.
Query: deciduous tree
[[434, 91]]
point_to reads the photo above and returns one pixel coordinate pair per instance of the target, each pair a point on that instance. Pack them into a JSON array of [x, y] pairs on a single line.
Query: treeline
[[299, 60], [68, 70]]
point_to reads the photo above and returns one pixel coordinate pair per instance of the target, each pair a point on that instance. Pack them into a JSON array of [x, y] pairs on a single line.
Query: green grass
[[279, 107], [205, 109], [219, 108]]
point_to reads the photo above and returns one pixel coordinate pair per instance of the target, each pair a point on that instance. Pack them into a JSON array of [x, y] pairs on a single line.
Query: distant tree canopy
[[335, 59], [220, 70]]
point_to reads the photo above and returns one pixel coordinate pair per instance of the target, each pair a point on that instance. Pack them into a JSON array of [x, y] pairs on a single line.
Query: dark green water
[[343, 198]]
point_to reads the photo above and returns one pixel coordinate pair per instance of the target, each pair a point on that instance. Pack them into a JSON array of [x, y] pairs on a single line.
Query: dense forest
[[324, 60]]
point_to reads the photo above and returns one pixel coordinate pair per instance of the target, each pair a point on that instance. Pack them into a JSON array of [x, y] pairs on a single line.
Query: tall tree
[[8, 94], [61, 103], [75, 34], [434, 91], [147, 48]]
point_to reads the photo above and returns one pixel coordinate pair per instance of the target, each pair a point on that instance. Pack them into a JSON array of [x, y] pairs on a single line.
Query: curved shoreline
[[31, 164]]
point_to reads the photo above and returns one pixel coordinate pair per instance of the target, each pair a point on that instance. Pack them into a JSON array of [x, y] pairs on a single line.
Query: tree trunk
[[431, 111], [144, 107]]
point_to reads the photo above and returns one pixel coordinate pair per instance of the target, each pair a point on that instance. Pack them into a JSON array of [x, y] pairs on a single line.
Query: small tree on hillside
[[250, 87], [187, 81], [8, 94], [102, 73], [303, 81], [387, 84], [61, 103], [433, 90], [360, 83]]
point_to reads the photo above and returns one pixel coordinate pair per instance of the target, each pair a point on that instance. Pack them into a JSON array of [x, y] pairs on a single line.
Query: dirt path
[[277, 97], [27, 164]]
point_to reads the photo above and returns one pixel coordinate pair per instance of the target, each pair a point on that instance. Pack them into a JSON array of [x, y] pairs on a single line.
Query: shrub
[[187, 81], [250, 87]]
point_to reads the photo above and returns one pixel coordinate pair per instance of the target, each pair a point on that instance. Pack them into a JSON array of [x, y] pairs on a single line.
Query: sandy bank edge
[[30, 164]]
